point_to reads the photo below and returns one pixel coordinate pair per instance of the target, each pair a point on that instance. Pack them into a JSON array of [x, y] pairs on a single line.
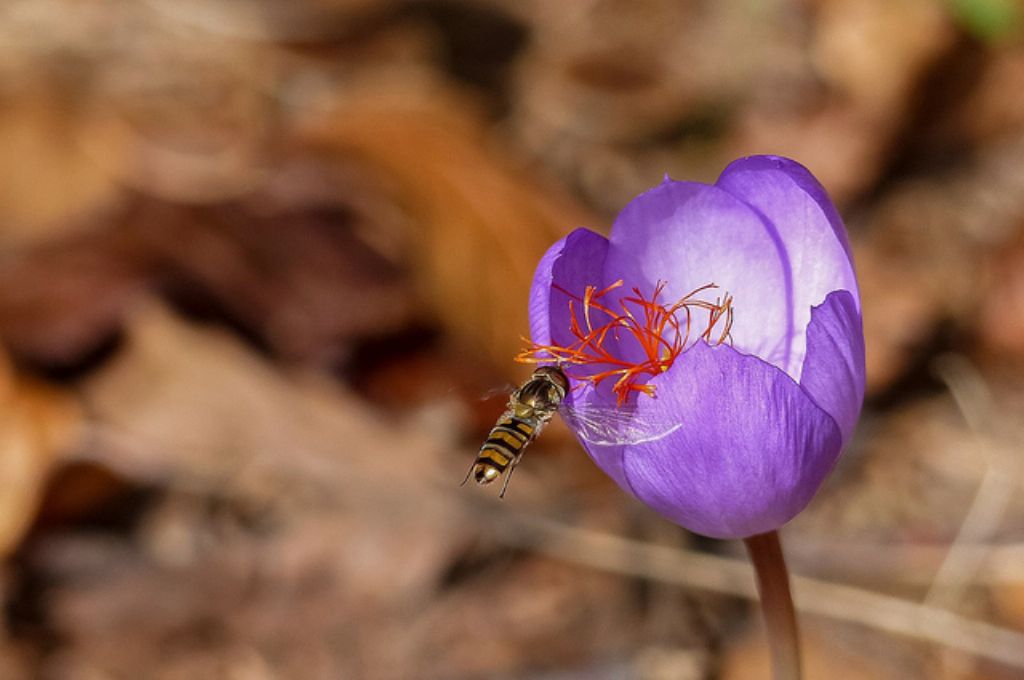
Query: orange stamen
[[656, 328]]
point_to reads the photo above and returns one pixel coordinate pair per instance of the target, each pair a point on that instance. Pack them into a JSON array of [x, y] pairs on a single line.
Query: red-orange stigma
[[661, 331]]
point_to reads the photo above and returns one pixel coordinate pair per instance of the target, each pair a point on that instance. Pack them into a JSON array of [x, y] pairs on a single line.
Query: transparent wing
[[503, 391], [610, 426]]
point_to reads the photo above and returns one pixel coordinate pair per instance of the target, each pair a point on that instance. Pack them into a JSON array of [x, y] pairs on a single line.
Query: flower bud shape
[[720, 326]]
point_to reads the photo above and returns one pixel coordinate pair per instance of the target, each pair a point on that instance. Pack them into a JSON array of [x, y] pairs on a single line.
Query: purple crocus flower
[[728, 311]]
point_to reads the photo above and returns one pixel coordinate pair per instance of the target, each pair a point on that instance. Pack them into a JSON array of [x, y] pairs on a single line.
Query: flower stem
[[776, 604]]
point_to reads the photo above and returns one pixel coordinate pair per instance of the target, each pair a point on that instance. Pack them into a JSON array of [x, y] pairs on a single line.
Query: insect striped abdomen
[[505, 442]]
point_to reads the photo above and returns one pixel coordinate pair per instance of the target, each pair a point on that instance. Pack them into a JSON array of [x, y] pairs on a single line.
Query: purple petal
[[773, 185], [833, 372], [575, 262], [817, 254], [691, 234], [751, 451]]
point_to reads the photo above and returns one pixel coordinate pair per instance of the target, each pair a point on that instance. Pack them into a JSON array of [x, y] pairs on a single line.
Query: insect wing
[[495, 392], [609, 426]]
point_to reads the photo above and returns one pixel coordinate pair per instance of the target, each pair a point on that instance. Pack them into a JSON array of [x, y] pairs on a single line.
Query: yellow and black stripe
[[505, 442]]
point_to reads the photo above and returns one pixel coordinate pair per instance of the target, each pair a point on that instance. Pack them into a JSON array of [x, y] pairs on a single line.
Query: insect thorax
[[534, 411], [539, 397]]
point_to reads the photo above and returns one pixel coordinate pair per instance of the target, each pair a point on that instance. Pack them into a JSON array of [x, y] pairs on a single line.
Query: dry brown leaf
[[15, 659], [863, 49], [936, 249], [896, 326], [62, 301], [482, 222], [172, 108], [194, 401], [304, 265], [844, 148], [46, 177], [347, 535], [295, 264], [872, 67], [829, 652], [192, 407], [612, 71], [1008, 601], [37, 425], [1001, 312], [535, 602], [996, 107]]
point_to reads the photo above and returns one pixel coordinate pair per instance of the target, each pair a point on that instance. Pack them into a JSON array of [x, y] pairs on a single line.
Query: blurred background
[[264, 267]]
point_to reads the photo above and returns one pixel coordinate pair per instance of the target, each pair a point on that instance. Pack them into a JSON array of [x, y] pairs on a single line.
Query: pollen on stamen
[[661, 331]]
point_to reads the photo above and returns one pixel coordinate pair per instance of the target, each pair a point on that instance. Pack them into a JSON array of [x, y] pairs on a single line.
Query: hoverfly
[[531, 407]]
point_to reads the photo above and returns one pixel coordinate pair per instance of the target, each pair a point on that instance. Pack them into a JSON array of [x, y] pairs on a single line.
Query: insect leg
[[468, 472], [508, 475]]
